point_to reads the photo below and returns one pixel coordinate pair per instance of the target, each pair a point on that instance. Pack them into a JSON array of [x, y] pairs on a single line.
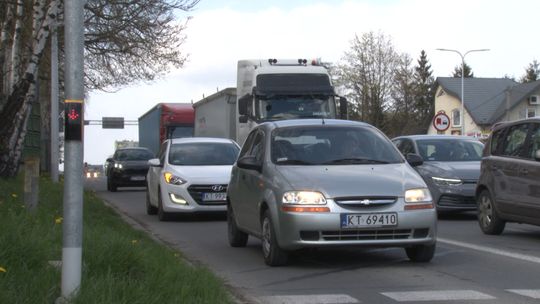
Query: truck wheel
[[273, 254], [420, 253], [162, 215], [488, 219], [236, 237], [150, 210]]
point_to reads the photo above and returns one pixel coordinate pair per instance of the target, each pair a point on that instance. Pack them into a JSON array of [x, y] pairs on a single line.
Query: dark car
[[509, 186], [128, 168], [451, 167]]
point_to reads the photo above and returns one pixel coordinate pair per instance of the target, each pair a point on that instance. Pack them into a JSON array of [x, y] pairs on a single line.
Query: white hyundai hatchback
[[190, 175]]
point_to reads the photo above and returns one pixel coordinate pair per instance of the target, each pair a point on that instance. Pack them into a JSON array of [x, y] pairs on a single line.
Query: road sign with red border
[[441, 121]]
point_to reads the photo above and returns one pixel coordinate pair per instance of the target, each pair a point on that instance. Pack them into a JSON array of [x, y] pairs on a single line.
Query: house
[[487, 101]]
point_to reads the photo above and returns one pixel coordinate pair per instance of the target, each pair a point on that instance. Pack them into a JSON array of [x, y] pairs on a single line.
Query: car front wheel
[[162, 215], [488, 219], [237, 238], [273, 254], [420, 253], [150, 210]]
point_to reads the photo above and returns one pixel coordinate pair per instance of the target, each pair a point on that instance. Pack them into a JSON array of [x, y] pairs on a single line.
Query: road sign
[[73, 119], [441, 121], [112, 122]]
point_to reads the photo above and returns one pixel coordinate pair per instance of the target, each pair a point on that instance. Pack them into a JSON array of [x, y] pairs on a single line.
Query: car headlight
[[118, 166], [173, 179], [303, 198], [420, 195], [442, 181]]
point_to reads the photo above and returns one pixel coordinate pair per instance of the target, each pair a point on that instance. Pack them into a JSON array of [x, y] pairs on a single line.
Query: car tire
[[236, 237], [488, 218], [273, 254], [150, 210], [111, 186], [162, 215], [420, 253]]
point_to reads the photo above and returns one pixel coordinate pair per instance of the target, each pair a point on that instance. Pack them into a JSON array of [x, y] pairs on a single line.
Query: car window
[[534, 142], [202, 154], [406, 147], [496, 140], [450, 149], [162, 151], [339, 145], [258, 147], [133, 155], [247, 144], [514, 141]]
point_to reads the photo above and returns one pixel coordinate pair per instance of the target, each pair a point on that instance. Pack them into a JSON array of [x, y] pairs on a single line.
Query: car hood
[[212, 173], [353, 180], [469, 170]]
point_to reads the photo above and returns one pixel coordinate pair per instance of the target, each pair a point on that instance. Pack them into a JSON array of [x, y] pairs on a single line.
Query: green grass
[[120, 264]]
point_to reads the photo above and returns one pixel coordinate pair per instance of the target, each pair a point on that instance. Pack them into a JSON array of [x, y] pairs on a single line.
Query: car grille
[[196, 192], [135, 171], [365, 202], [360, 234], [457, 201]]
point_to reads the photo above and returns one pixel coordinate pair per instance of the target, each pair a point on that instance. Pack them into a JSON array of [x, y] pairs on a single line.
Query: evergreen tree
[[532, 72], [424, 92], [468, 71]]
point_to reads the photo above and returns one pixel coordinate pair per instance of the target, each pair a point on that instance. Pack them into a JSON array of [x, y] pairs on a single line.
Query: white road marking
[[519, 256], [437, 295], [310, 299], [531, 293]]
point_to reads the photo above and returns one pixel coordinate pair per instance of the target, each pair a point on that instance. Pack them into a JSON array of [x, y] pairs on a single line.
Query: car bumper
[[455, 198], [129, 178], [188, 199], [299, 230]]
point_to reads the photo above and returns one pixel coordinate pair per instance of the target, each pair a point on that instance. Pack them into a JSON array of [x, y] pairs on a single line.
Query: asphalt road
[[468, 267]]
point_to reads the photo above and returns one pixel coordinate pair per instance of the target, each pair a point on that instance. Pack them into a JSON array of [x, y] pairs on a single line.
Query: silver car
[[190, 175], [451, 167], [315, 183]]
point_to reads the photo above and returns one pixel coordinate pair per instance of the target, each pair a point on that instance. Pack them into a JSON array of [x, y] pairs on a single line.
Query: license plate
[[362, 220], [138, 178], [214, 196]]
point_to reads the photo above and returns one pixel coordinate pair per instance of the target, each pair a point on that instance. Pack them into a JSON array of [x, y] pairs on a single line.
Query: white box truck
[[215, 115]]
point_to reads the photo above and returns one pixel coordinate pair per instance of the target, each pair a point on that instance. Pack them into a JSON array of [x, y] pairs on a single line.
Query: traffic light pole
[[74, 127]]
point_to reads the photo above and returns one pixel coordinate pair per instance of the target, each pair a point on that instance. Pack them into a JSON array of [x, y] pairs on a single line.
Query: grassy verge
[[120, 264]]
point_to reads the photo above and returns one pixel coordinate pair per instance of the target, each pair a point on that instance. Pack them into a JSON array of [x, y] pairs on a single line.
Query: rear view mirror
[[243, 104], [414, 159], [154, 162]]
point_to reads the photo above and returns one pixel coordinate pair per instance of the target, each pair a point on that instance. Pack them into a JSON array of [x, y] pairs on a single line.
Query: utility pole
[[74, 127], [54, 103]]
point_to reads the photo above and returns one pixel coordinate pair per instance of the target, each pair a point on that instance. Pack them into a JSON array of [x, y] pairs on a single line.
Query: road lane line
[[310, 299], [519, 256], [437, 295], [531, 293]]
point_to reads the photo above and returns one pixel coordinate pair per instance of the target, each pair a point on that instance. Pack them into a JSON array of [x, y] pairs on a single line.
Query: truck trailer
[[215, 115], [272, 89], [165, 121]]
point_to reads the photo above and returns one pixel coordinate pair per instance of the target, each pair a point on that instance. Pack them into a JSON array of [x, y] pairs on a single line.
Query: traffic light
[[73, 119]]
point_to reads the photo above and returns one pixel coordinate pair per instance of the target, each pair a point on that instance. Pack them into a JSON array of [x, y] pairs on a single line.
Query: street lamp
[[462, 112]]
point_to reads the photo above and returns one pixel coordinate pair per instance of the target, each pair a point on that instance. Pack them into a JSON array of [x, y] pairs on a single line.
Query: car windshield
[[203, 154], [450, 149], [134, 154], [331, 145]]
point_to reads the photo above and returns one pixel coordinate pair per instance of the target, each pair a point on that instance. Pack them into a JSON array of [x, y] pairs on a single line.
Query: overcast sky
[[222, 32]]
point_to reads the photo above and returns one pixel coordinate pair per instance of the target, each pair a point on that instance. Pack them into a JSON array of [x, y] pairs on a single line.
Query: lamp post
[[462, 112]]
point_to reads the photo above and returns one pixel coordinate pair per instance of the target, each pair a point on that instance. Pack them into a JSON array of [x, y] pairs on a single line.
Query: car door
[[251, 185], [509, 190], [154, 174], [530, 175]]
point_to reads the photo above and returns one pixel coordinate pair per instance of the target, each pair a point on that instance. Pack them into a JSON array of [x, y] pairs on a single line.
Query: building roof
[[483, 96], [518, 93]]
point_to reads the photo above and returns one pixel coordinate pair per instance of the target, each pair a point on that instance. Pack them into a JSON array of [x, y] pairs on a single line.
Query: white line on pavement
[[437, 295], [310, 299], [519, 256], [531, 293]]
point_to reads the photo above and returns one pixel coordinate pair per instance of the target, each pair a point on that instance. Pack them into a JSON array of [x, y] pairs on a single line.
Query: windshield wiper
[[356, 161], [293, 162]]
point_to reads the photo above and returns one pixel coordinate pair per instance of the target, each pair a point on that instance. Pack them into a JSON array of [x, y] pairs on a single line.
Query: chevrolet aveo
[[315, 183], [190, 175]]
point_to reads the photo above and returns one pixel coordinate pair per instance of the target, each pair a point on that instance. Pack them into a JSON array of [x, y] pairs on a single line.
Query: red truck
[[164, 121]]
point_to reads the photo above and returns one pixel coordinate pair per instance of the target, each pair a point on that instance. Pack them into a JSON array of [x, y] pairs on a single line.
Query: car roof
[[200, 140], [313, 122], [501, 125], [436, 136], [133, 148]]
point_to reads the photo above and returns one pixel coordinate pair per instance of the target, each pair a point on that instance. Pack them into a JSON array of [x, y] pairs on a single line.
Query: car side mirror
[[414, 159], [109, 159], [154, 162], [243, 104], [537, 155], [243, 119], [249, 163]]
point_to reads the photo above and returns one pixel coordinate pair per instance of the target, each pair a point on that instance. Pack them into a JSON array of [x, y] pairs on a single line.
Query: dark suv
[[509, 186], [128, 167]]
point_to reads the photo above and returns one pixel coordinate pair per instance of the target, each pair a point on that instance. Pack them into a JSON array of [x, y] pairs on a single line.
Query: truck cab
[[284, 89]]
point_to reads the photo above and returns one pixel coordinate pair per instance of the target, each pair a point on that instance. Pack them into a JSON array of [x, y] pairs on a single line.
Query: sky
[[222, 32]]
